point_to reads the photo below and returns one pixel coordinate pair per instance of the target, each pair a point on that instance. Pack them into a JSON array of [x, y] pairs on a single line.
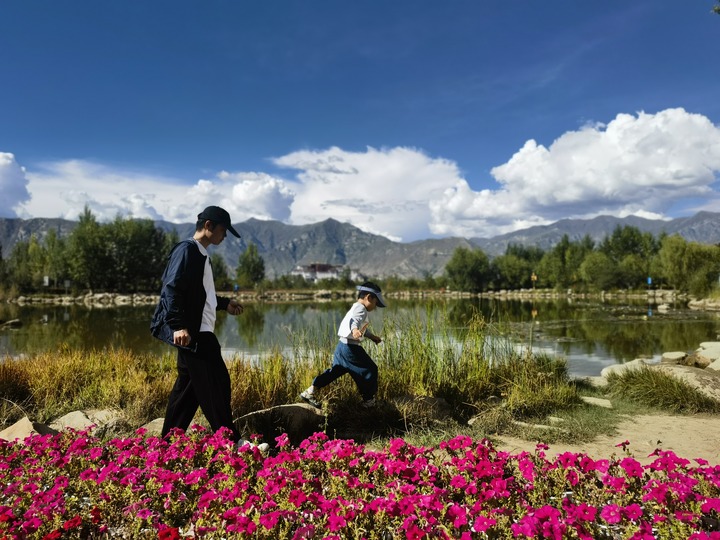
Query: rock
[[298, 420], [708, 352], [596, 382], [705, 380], [154, 427], [76, 420], [24, 428], [715, 366], [677, 357], [618, 369], [598, 402]]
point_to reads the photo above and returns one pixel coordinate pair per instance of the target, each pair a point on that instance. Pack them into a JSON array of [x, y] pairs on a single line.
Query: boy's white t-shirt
[[209, 311], [356, 317]]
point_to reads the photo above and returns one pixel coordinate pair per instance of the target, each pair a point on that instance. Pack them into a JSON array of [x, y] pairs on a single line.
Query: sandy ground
[[688, 436]]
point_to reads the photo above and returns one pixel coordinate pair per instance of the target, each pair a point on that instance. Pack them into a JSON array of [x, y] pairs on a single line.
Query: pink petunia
[[482, 523], [633, 511], [611, 513], [336, 522]]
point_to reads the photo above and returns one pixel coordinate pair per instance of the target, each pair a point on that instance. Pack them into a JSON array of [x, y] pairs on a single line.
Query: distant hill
[[285, 246]]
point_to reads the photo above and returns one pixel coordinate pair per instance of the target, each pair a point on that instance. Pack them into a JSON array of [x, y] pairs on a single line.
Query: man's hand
[[234, 308], [181, 337]]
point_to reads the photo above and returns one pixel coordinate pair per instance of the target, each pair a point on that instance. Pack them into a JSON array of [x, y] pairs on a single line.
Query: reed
[[654, 388], [428, 367]]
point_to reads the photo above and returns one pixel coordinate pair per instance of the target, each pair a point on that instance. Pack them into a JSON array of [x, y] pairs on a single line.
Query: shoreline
[[107, 299]]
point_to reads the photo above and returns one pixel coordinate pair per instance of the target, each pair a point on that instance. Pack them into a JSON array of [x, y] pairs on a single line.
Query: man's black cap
[[218, 215]]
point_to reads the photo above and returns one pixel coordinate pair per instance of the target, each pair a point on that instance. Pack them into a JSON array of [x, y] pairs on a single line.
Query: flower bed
[[198, 485]]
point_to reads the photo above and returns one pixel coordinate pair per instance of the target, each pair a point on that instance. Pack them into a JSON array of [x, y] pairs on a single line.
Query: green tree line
[[626, 259], [129, 255]]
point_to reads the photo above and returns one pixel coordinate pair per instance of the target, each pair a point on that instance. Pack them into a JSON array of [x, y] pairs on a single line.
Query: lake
[[589, 334]]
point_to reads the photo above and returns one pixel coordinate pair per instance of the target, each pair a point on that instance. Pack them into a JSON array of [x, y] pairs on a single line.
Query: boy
[[349, 356]]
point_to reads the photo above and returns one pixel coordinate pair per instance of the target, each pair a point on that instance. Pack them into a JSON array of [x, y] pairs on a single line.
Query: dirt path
[[688, 436]]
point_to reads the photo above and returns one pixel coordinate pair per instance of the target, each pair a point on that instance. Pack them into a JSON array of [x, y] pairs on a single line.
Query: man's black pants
[[203, 380]]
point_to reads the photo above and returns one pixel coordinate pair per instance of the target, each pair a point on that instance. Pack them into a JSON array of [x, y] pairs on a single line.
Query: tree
[[511, 272], [468, 270], [56, 267], [673, 261], [137, 250], [221, 276], [251, 268], [598, 271], [89, 260], [18, 267]]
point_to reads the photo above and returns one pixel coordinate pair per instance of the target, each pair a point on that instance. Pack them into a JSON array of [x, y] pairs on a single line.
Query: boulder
[[715, 366], [154, 427], [297, 420], [24, 428], [618, 369], [598, 402], [676, 357], [707, 353], [705, 380]]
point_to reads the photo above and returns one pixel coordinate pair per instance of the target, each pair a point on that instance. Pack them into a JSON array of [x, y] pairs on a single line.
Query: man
[[185, 318]]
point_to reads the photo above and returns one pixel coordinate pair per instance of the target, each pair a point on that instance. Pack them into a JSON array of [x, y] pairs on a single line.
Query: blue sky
[[412, 119]]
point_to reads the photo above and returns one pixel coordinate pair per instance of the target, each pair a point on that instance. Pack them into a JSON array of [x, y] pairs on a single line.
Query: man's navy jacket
[[182, 297]]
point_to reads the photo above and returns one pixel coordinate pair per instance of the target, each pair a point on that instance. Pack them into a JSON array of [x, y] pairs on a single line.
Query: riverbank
[[106, 299]]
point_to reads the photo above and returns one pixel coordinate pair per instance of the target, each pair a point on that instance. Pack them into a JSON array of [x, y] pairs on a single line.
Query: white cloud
[[635, 165], [384, 191], [63, 189], [640, 165], [13, 185]]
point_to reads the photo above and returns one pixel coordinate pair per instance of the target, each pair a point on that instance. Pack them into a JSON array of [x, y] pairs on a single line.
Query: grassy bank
[[436, 381]]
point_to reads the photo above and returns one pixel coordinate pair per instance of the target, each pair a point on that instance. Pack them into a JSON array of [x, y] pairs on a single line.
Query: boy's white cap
[[377, 293]]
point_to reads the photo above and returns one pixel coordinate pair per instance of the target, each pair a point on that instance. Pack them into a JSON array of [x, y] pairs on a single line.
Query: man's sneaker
[[309, 398], [368, 403]]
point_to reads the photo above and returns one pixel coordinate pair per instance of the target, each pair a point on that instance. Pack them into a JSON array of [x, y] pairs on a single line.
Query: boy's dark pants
[[203, 380], [354, 360]]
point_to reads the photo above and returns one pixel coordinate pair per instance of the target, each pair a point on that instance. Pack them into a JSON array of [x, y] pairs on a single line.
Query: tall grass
[[424, 364], [654, 388]]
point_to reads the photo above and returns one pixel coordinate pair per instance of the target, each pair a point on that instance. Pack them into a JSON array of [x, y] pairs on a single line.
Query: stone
[[298, 420], [715, 366], [676, 357], [76, 420], [24, 428], [704, 380], [154, 427], [707, 353], [598, 402], [618, 369]]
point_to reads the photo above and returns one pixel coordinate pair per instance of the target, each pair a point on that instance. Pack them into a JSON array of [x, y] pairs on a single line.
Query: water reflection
[[590, 335]]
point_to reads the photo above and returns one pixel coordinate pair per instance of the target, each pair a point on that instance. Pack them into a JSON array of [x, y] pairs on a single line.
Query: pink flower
[[611, 514], [633, 511], [270, 520], [458, 481], [483, 523], [72, 523], [336, 522], [711, 504], [168, 533], [632, 467]]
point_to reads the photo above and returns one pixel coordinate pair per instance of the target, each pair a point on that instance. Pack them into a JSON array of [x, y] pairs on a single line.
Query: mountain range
[[283, 247]]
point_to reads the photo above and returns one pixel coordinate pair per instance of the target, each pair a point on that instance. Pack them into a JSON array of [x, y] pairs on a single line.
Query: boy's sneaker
[[263, 447], [309, 398], [368, 403]]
